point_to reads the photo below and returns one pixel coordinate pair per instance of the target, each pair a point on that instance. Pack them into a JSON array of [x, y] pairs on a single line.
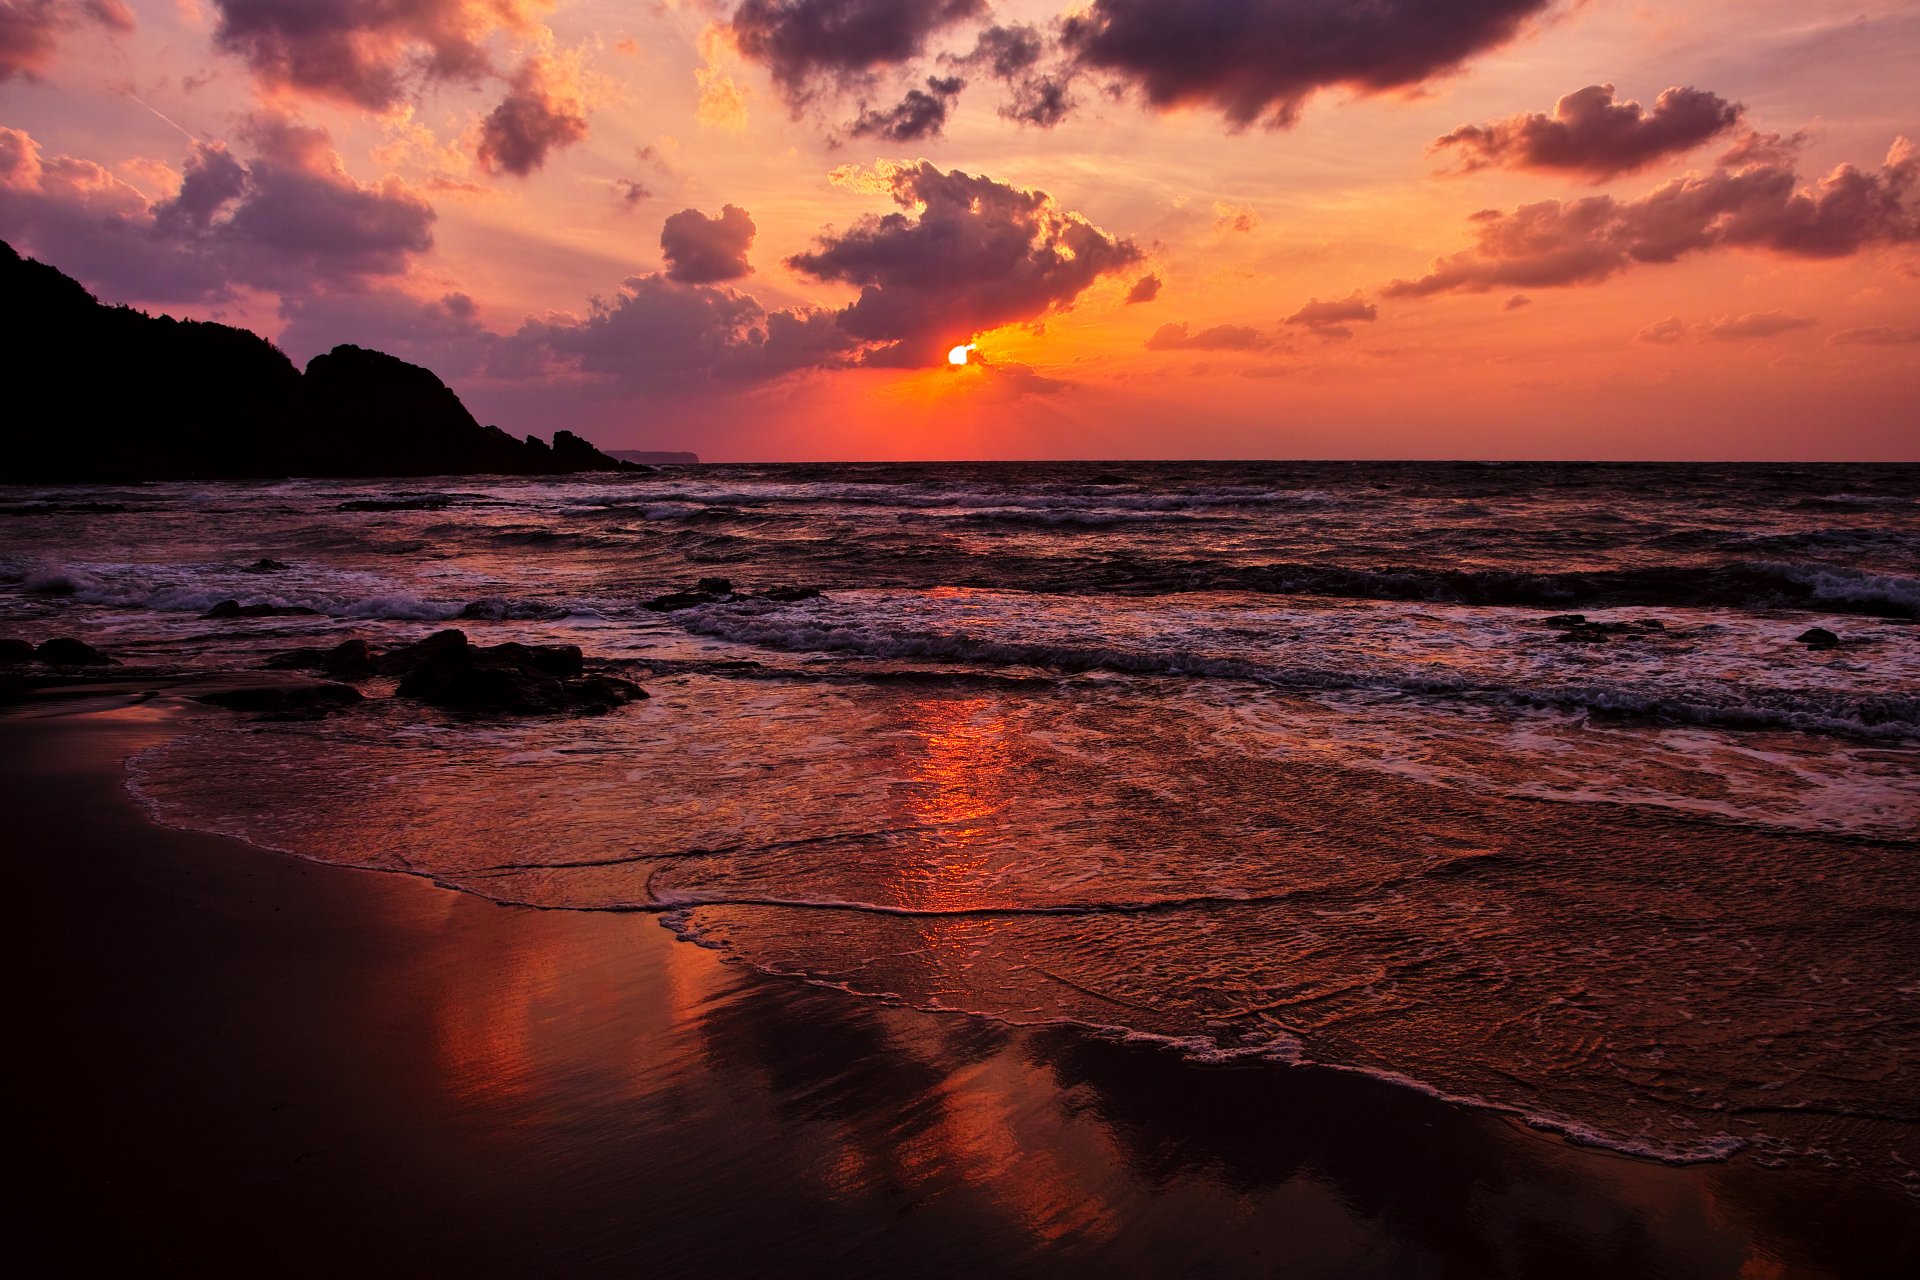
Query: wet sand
[[232, 1058]]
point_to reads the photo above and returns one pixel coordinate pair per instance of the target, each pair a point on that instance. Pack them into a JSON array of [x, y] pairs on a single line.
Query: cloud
[[30, 29], [1330, 319], [1177, 336], [1663, 332], [968, 254], [1258, 61], [1757, 324], [1015, 54], [1145, 289], [1234, 217], [808, 44], [541, 113], [1754, 147], [631, 193], [1876, 335], [445, 331], [1761, 207], [661, 333], [1516, 302], [288, 219], [1592, 135], [723, 103], [703, 250], [367, 52], [922, 113]]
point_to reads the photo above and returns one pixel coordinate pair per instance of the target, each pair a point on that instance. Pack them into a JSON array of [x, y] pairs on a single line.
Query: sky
[[759, 229]]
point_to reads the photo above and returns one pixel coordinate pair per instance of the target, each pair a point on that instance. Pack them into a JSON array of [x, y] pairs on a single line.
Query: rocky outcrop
[[154, 398], [1818, 638], [720, 591], [449, 671], [282, 699], [65, 651], [234, 609]]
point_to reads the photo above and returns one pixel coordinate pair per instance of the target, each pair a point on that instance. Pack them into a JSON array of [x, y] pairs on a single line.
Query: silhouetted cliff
[[109, 393]]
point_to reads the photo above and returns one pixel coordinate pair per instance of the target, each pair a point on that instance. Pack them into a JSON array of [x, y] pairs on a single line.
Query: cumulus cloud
[[1757, 324], [1178, 336], [288, 219], [31, 29], [703, 250], [1258, 61], [1761, 207], [1017, 54], [810, 44], [1591, 134], [922, 113], [1145, 289], [541, 113], [1874, 335], [1333, 318], [968, 254], [367, 52]]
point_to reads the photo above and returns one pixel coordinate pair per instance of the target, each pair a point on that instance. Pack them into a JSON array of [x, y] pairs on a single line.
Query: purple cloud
[[1591, 134], [30, 30], [703, 250]]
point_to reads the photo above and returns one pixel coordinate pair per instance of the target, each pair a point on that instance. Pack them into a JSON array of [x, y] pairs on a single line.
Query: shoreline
[[238, 1054]]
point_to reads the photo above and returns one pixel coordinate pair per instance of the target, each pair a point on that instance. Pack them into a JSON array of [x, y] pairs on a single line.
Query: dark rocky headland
[[100, 393]]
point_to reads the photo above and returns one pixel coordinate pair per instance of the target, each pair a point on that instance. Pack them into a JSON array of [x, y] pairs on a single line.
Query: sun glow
[[958, 356]]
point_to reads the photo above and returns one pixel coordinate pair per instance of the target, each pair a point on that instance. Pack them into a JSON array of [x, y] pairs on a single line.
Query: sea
[[1280, 765]]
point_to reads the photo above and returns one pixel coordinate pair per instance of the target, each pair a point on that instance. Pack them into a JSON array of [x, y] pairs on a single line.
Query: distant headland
[[110, 393]]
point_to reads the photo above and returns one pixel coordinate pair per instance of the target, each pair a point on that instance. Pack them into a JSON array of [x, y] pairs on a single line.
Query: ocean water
[[1267, 762]]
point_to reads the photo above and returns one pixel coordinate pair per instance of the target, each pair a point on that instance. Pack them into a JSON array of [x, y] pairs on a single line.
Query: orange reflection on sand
[[961, 785]]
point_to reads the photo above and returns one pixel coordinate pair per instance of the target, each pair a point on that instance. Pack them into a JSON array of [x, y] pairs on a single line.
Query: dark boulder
[[266, 565], [1818, 638], [676, 600], [447, 671], [284, 701], [65, 651], [715, 586], [14, 650], [1565, 621], [234, 609]]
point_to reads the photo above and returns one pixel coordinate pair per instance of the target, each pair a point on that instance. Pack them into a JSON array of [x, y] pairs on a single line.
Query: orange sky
[[458, 180]]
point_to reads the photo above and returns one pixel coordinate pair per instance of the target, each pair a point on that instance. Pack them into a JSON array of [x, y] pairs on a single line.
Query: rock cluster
[[449, 671], [62, 651], [720, 591]]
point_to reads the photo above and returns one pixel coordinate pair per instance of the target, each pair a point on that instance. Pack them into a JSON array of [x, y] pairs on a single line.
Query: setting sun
[[958, 356]]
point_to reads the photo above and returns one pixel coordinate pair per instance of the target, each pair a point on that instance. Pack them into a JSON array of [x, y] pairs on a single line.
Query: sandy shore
[[231, 1058]]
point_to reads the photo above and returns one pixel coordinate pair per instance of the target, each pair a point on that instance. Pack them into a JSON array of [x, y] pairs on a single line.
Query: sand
[[228, 1058]]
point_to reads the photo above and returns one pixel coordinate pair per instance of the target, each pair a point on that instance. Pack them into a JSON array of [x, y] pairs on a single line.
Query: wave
[[799, 630], [1756, 584]]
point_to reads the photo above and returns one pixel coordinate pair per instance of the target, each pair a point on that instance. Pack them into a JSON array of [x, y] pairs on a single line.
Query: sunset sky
[[1214, 228]]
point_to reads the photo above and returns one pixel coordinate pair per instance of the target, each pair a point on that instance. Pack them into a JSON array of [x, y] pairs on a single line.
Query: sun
[[958, 356]]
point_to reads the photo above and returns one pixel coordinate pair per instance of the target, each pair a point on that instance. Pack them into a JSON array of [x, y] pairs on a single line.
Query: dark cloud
[[30, 29], [536, 117], [1875, 335], [1331, 319], [703, 250], [1145, 289], [971, 254], [806, 43], [1015, 54], [1259, 60], [1762, 207], [1591, 134], [1516, 302], [1754, 147], [659, 333], [1758, 324], [631, 193], [922, 113], [289, 219], [1221, 337], [365, 51]]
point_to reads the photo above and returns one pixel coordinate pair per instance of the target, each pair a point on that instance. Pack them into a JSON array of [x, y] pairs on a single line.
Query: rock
[[787, 595], [65, 651], [265, 565], [1818, 638], [234, 609], [1584, 635], [14, 650], [715, 586], [304, 701], [1562, 621], [348, 660], [439, 645], [446, 671]]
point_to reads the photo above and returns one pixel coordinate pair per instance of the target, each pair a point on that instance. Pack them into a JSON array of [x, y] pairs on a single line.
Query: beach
[[233, 1056]]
